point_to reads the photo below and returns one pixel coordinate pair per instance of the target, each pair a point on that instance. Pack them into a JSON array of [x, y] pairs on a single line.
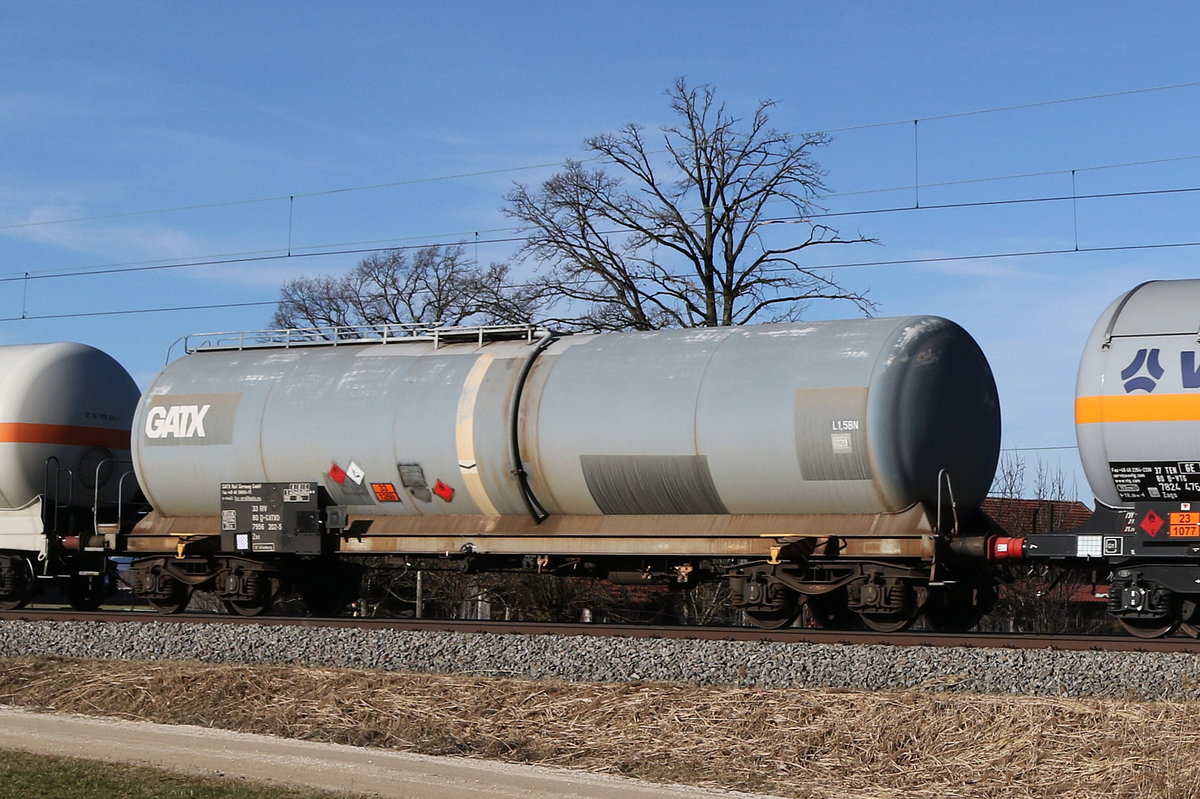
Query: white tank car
[[841, 417], [1137, 406], [65, 413]]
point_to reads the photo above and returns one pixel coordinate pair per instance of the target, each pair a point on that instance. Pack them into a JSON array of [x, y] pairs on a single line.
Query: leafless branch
[[438, 284], [681, 240]]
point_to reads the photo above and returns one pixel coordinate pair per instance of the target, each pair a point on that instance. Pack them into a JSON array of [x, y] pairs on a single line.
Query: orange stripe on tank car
[[70, 435], [1138, 408]]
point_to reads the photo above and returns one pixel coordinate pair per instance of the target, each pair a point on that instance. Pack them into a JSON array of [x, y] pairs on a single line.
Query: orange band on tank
[[70, 435], [1138, 408]]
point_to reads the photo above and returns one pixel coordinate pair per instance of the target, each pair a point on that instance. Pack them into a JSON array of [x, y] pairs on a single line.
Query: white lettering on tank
[[839, 425], [176, 421]]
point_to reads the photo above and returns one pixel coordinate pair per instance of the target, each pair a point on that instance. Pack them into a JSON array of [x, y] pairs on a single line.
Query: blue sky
[[177, 132]]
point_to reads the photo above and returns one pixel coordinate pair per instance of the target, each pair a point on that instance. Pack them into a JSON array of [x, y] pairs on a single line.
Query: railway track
[[1105, 643]]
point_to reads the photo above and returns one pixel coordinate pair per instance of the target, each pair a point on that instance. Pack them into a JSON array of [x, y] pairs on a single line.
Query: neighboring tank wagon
[[832, 461], [1137, 417], [65, 413], [1137, 406]]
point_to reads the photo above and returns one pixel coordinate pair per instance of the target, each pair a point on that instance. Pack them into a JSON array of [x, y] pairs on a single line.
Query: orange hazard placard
[[385, 492], [1184, 525]]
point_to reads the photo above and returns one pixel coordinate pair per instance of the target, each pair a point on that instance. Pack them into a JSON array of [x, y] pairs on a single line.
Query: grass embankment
[[26, 776], [796, 743]]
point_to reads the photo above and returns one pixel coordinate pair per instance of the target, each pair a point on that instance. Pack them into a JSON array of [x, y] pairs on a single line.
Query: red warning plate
[[1184, 525], [385, 492]]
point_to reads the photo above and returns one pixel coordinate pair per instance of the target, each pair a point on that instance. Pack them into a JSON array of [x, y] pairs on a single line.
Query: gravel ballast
[[1027, 672]]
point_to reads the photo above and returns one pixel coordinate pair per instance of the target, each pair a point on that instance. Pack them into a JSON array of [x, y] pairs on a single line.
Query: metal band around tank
[[536, 511], [464, 433]]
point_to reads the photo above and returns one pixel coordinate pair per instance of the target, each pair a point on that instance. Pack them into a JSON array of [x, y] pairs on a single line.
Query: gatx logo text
[[176, 421]]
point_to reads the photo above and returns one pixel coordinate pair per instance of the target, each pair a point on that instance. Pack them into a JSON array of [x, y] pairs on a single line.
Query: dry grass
[[814, 743]]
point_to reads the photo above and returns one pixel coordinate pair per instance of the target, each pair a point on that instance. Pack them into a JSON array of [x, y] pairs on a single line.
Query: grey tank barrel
[[840, 417], [1137, 411]]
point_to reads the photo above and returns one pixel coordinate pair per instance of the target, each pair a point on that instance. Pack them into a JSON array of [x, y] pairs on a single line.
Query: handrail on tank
[[52, 504], [332, 336], [944, 479], [120, 491], [49, 506]]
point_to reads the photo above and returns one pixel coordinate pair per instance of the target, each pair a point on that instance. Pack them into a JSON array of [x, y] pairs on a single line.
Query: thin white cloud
[[113, 242], [991, 268]]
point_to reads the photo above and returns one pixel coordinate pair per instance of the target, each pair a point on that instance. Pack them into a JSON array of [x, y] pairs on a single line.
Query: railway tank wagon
[[1137, 420], [65, 469], [829, 462]]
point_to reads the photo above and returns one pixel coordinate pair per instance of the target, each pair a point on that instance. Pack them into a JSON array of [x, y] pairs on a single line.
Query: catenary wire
[[815, 268], [356, 248], [430, 239], [128, 312], [1017, 107], [529, 167]]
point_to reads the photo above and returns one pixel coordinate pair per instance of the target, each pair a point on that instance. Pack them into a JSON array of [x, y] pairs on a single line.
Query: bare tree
[[678, 237], [1009, 482], [1049, 484], [437, 284], [1053, 485]]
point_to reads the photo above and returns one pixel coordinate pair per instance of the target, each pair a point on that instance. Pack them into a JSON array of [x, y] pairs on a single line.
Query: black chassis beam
[[1147, 532]]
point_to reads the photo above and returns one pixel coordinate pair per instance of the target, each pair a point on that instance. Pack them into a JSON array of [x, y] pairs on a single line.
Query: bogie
[[17, 582]]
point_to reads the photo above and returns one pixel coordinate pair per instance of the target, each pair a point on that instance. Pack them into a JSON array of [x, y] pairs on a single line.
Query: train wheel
[[890, 605], [177, 602], [889, 622], [830, 612], [247, 607], [261, 604], [1149, 628], [16, 573], [777, 618]]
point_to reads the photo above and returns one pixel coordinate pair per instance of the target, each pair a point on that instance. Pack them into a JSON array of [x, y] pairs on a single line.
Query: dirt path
[[308, 764]]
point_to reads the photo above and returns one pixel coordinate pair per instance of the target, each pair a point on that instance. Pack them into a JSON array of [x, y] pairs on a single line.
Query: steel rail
[[1106, 643]]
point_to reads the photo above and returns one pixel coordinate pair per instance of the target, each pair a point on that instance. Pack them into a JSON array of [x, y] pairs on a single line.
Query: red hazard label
[[1152, 523], [444, 491], [385, 492], [338, 474]]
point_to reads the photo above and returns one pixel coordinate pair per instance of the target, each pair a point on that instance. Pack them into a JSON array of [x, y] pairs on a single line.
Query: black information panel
[[270, 517], [1170, 480]]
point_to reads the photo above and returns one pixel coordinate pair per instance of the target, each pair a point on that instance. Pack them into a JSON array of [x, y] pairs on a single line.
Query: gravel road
[[307, 764]]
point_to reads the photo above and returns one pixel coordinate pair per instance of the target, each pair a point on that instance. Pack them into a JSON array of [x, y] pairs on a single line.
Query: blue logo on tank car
[[1144, 359], [1144, 371], [1188, 370]]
